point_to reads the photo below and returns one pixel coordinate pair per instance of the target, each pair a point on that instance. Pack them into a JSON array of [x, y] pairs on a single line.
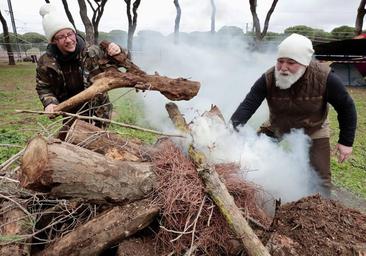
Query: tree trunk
[[132, 23], [110, 144], [268, 17], [89, 30], [213, 16], [104, 231], [173, 89], [177, 21], [68, 171], [359, 19], [7, 40], [256, 24], [68, 13], [14, 223]]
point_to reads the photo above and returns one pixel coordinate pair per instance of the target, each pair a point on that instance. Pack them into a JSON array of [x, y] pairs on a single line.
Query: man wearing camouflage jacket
[[68, 66]]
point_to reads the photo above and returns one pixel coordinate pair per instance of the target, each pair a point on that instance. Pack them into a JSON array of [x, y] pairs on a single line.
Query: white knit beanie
[[53, 21], [296, 47]]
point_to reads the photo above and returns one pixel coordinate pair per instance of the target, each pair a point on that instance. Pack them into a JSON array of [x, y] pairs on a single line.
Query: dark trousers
[[320, 161]]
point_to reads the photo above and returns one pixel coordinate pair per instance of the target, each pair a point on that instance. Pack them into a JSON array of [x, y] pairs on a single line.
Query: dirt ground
[[317, 226]]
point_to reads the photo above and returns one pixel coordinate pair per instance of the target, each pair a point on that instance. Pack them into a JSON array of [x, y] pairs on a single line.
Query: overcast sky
[[160, 14]]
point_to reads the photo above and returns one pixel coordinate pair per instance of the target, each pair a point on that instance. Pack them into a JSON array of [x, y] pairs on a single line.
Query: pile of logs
[[101, 168]]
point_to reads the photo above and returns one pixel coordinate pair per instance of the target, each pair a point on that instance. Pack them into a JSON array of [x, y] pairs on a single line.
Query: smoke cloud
[[226, 67]]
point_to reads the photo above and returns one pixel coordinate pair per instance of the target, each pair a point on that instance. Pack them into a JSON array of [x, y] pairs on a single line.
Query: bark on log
[[14, 223], [173, 89], [107, 143], [222, 198], [176, 117], [104, 231], [68, 171]]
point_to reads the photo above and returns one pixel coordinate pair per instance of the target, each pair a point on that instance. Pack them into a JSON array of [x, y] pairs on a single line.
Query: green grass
[[17, 91], [352, 173]]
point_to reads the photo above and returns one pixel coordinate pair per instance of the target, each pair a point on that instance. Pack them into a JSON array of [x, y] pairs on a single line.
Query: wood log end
[[33, 161]]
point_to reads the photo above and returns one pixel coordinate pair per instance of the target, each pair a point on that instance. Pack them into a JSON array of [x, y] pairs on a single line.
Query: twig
[[193, 246], [18, 204], [11, 160], [94, 118], [8, 179]]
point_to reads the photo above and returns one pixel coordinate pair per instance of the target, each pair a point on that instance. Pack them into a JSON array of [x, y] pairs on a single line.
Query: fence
[[22, 51]]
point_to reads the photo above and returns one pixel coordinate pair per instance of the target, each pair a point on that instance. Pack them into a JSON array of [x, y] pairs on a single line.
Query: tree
[[256, 24], [213, 16], [132, 22], [98, 10], [91, 26], [177, 21], [7, 40], [314, 34], [343, 32], [359, 18]]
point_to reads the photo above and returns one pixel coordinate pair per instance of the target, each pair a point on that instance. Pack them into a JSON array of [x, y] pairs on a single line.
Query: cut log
[[107, 143], [104, 231], [68, 171], [13, 225]]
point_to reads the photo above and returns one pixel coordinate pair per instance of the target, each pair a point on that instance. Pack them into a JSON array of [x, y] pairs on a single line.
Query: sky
[[159, 15]]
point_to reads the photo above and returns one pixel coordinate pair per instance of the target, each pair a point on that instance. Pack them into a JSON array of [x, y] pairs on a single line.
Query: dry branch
[[104, 231], [222, 198], [14, 224], [173, 89], [68, 171]]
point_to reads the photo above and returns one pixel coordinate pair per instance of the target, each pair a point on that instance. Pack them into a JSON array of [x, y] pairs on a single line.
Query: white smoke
[[226, 75]]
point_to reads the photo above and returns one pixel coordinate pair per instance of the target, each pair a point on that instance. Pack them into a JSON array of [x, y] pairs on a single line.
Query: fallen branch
[[94, 118]]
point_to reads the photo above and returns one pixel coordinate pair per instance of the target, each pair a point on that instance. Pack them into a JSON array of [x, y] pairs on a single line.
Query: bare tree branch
[[256, 24], [132, 22], [7, 40], [68, 13], [360, 16], [177, 21]]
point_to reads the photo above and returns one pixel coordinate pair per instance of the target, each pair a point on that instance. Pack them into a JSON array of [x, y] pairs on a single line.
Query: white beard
[[285, 80]]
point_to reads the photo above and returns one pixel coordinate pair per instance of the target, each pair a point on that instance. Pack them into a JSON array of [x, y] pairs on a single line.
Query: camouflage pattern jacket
[[59, 78]]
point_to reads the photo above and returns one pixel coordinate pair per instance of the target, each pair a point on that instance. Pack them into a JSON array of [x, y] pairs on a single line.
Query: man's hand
[[342, 152], [113, 49], [50, 109]]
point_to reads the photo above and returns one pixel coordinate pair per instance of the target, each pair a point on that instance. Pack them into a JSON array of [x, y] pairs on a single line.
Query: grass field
[[17, 92]]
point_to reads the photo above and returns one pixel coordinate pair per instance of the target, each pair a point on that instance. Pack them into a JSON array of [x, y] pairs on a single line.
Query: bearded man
[[298, 90]]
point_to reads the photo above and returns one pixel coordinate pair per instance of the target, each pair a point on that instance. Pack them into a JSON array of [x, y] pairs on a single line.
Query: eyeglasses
[[62, 38]]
